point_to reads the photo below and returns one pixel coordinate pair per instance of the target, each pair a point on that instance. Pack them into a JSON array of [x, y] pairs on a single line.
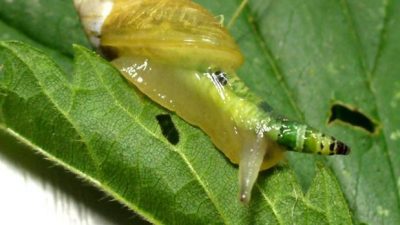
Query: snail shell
[[93, 14], [166, 30], [179, 55]]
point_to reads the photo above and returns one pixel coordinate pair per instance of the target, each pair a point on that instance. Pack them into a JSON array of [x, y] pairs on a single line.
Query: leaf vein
[[269, 202], [274, 64], [173, 148], [54, 102], [370, 75]]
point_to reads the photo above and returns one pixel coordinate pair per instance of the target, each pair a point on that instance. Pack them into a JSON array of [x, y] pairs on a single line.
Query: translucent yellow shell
[[171, 31]]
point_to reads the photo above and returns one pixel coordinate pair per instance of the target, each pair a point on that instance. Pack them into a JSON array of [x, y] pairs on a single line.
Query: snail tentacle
[[250, 163]]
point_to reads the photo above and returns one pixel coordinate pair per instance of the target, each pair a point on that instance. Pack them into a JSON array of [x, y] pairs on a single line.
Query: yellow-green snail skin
[[180, 55]]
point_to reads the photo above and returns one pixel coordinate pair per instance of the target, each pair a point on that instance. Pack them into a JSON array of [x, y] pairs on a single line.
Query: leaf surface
[[302, 57], [98, 127], [330, 52]]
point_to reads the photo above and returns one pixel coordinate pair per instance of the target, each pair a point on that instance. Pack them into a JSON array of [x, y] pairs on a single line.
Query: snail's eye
[[221, 77]]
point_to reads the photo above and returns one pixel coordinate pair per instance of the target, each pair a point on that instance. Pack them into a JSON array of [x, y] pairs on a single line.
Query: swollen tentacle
[[302, 138]]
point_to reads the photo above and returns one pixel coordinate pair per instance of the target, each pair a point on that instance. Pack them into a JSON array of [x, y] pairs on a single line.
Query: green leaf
[[98, 127], [302, 57], [327, 52]]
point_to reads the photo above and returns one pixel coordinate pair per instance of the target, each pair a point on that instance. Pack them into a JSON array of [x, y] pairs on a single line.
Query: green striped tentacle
[[301, 138], [294, 136]]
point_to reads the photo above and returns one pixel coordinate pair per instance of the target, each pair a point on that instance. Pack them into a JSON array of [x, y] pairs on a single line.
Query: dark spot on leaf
[[168, 128], [352, 117]]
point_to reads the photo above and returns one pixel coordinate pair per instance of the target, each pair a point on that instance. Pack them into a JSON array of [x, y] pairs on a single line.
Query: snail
[[180, 56]]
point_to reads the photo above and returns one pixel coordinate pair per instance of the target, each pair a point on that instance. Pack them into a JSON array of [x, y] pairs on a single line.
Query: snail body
[[180, 56]]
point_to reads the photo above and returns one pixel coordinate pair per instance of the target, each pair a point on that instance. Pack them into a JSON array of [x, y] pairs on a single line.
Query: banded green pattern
[[292, 135]]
